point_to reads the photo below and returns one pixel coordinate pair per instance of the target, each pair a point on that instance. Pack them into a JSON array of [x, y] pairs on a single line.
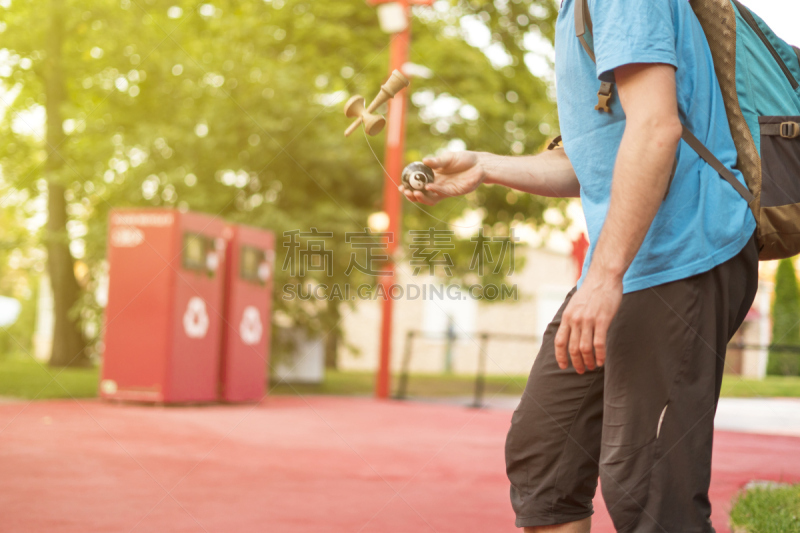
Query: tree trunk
[[69, 346], [331, 350], [332, 339]]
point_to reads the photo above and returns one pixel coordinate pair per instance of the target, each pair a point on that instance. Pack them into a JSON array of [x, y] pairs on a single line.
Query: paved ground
[[766, 416], [771, 416], [288, 465]]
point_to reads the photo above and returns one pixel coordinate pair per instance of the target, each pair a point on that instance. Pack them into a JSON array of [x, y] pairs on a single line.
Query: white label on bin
[[212, 261], [157, 220], [126, 237], [250, 328], [264, 271], [195, 319]]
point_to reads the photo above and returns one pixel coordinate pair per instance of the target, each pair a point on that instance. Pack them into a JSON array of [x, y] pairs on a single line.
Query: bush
[[785, 322]]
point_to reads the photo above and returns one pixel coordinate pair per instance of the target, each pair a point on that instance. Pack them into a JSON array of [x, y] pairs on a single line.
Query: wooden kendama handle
[[396, 83]]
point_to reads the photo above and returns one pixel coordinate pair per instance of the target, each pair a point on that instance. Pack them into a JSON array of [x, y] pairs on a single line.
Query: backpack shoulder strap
[[583, 22], [706, 155]]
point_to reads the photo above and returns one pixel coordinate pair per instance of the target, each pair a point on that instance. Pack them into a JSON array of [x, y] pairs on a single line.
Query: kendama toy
[[373, 123]]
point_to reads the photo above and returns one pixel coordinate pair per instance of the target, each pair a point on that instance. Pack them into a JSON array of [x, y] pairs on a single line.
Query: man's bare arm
[[549, 173], [641, 175], [456, 173]]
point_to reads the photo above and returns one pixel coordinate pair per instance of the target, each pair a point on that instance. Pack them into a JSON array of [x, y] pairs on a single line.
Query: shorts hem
[[552, 520]]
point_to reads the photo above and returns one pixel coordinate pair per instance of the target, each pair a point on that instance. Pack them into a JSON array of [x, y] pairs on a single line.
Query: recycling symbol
[[195, 319], [250, 328]]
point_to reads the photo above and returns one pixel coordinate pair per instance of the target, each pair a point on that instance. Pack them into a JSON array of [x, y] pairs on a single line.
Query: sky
[[783, 16]]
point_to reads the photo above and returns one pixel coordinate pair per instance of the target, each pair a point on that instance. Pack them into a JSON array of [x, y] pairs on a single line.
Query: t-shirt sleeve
[[632, 31]]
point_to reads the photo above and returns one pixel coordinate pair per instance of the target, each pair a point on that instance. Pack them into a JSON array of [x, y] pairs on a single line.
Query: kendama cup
[[355, 108]]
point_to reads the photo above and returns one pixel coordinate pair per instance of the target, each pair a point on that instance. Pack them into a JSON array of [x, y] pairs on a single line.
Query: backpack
[[759, 75]]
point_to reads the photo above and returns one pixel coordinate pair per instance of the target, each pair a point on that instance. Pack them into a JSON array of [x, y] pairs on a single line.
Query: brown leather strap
[[554, 143], [583, 21], [797, 51], [717, 165], [773, 130], [671, 177], [787, 130]]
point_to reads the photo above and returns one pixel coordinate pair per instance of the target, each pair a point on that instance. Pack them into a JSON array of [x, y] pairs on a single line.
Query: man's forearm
[[547, 174], [641, 177]]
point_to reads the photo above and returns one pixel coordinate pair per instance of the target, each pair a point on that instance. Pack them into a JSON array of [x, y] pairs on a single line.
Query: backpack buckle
[[790, 130], [604, 96], [602, 102]]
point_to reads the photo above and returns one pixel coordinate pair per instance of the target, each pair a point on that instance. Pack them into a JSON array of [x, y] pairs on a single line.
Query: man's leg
[[581, 526], [553, 445], [666, 351]]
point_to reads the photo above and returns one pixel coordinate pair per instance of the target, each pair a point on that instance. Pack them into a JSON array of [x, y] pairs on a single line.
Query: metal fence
[[483, 339]]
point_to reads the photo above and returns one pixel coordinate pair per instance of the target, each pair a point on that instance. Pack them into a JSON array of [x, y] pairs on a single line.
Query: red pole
[[395, 140]]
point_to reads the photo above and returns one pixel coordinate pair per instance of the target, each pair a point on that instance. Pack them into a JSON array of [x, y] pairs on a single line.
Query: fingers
[[435, 189], [441, 161], [426, 197], [422, 197], [582, 334], [599, 344], [408, 193], [561, 341], [585, 346], [574, 348], [575, 342]]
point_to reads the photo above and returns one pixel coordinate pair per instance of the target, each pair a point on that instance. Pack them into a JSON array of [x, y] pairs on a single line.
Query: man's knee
[[625, 482]]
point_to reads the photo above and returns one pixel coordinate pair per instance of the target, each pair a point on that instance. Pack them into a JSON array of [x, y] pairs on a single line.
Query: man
[[628, 376]]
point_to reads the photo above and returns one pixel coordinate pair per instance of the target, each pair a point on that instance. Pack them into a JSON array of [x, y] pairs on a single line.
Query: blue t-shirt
[[703, 221]]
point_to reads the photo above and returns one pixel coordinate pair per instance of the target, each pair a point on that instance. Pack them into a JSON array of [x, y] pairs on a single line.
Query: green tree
[[785, 321], [234, 108]]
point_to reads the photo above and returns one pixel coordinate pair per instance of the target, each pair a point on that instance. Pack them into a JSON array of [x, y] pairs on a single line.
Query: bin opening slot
[[253, 265], [196, 251]]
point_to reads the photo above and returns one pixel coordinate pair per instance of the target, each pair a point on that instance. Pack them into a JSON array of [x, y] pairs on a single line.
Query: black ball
[[417, 175]]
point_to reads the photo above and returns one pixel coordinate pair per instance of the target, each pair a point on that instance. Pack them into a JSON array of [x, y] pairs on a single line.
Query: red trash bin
[[163, 318], [246, 333]]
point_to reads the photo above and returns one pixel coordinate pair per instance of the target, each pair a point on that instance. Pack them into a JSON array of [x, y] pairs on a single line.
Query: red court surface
[[288, 465]]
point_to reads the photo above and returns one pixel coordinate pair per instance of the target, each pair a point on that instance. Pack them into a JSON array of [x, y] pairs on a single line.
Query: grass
[[769, 387], [420, 385], [440, 385], [22, 377], [767, 510]]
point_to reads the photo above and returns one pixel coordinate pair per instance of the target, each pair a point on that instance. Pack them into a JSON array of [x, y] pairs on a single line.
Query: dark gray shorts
[[643, 422]]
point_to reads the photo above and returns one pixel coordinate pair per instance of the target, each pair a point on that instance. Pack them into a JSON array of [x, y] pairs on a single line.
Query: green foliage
[[17, 337], [20, 265], [234, 108], [785, 321], [768, 510]]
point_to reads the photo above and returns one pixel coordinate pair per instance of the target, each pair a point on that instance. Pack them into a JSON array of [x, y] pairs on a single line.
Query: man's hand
[[585, 322], [455, 174]]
